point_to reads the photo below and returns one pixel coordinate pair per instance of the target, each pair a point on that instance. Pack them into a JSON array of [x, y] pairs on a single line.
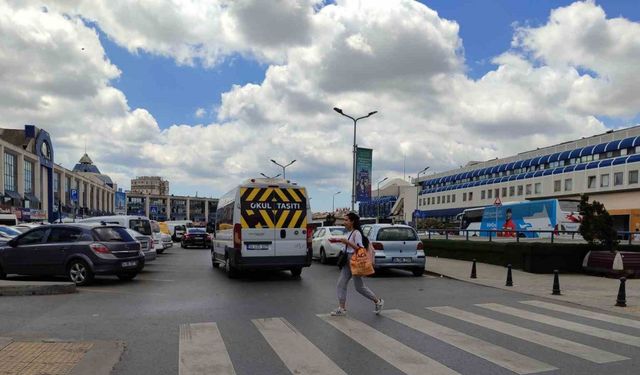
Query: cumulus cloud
[[395, 56]]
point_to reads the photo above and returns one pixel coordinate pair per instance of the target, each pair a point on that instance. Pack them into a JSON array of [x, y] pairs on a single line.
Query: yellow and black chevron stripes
[[273, 207]]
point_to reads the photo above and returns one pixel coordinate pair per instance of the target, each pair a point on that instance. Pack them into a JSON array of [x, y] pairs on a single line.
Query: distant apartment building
[[151, 185]]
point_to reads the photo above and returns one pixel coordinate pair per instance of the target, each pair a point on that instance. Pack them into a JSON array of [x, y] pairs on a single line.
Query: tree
[[597, 225]]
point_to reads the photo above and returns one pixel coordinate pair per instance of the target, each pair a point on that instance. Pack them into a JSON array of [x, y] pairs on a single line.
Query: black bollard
[[556, 283], [473, 270], [622, 294], [509, 278]]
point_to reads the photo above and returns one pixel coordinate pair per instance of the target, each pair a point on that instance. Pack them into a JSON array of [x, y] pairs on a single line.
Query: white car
[[323, 248], [167, 242], [146, 245]]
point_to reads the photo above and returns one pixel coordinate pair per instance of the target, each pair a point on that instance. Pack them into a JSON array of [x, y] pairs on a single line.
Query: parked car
[[157, 237], [324, 249], [396, 246], [178, 231], [25, 227], [9, 232], [167, 242], [79, 251], [146, 245], [196, 237]]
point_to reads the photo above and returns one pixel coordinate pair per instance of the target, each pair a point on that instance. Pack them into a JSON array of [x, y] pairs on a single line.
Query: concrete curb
[[101, 359], [29, 288]]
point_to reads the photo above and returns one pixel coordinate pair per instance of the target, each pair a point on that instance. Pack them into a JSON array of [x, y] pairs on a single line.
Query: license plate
[[402, 260], [129, 264], [257, 246]]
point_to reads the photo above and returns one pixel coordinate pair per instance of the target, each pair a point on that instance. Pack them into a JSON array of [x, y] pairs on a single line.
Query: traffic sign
[[497, 202], [74, 195], [154, 209]]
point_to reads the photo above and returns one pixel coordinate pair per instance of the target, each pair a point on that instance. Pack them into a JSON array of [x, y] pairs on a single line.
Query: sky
[[205, 93]]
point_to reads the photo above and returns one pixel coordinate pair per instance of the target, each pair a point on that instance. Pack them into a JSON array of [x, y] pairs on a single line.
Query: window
[[557, 185], [633, 177], [453, 198], [438, 200], [64, 235], [618, 179], [568, 184], [512, 191], [470, 196], [483, 195], [464, 197], [489, 193], [397, 234], [504, 192], [10, 172], [28, 177], [56, 182], [520, 189], [538, 188], [497, 193], [448, 199], [604, 180], [591, 182], [528, 190], [32, 237]]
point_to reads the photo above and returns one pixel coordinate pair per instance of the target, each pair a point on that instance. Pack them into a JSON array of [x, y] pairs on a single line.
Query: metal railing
[[520, 234]]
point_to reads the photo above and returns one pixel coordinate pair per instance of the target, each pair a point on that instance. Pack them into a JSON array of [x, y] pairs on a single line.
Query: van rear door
[[290, 217], [257, 222]]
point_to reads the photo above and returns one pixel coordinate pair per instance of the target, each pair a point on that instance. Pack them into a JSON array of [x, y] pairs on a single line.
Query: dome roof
[[86, 165]]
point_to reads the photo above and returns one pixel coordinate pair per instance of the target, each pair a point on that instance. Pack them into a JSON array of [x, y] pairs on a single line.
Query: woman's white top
[[356, 238]]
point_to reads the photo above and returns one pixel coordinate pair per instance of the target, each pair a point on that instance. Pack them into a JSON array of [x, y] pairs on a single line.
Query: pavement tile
[[41, 358]]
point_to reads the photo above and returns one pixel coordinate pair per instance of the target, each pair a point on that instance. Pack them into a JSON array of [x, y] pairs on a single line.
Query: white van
[[262, 224], [8, 219], [140, 224], [177, 228]]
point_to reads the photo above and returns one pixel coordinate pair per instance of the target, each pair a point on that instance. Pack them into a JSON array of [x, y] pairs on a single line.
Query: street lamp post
[[353, 178], [378, 194], [265, 176], [333, 202], [284, 167], [415, 219]]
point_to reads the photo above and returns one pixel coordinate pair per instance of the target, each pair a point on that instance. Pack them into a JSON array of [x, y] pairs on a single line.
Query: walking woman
[[354, 241]]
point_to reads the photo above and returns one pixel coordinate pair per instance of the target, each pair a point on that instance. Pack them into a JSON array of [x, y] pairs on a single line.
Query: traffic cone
[[473, 270], [509, 278], [621, 301], [556, 283]]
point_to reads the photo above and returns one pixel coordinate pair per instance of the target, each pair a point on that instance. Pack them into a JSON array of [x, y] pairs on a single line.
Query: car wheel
[[3, 275], [232, 272], [159, 251], [127, 276], [182, 245], [296, 272], [417, 272], [323, 256], [79, 272]]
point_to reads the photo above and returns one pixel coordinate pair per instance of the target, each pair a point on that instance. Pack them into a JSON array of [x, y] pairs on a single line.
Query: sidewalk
[[29, 288], [591, 291]]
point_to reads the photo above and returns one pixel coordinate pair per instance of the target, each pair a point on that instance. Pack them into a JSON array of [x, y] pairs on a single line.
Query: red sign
[[497, 202]]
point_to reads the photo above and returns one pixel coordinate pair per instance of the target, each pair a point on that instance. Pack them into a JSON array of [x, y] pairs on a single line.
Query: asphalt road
[[181, 288]]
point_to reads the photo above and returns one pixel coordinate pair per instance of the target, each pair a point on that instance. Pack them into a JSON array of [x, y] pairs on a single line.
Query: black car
[[79, 251], [196, 237]]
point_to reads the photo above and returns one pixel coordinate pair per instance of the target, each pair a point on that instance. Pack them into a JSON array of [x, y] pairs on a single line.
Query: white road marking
[[564, 324], [552, 342], [202, 351], [394, 352], [296, 351], [585, 313], [502, 357]]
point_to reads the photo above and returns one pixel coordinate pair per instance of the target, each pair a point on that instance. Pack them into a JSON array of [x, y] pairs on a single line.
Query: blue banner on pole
[[74, 195], [121, 203], [364, 161]]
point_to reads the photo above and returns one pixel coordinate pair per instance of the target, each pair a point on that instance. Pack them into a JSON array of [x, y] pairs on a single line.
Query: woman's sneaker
[[339, 312], [379, 306]]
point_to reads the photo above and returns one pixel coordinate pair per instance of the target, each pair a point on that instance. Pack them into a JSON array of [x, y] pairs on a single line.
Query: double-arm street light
[[378, 194], [415, 219], [353, 178], [265, 176], [333, 202], [284, 167]]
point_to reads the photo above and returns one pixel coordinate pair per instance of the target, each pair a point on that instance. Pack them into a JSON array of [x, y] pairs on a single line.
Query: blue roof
[[580, 167], [518, 164], [564, 155], [605, 163], [575, 153], [569, 168], [636, 142], [600, 148], [612, 146], [587, 151], [558, 170], [554, 157], [633, 158], [620, 160], [502, 167], [529, 174], [547, 172], [593, 164]]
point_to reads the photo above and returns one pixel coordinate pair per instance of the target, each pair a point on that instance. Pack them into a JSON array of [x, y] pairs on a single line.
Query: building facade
[[170, 207], [152, 185], [603, 166], [34, 188]]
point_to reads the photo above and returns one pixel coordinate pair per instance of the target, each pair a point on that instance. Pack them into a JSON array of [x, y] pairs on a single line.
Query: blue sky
[[173, 93]]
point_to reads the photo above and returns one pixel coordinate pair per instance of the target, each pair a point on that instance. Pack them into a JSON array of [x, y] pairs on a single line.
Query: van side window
[[224, 216]]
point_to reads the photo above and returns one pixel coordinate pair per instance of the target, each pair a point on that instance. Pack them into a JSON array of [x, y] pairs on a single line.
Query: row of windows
[[555, 164], [534, 189]]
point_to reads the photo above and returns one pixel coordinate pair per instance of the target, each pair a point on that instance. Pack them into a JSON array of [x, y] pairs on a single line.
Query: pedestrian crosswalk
[[203, 349]]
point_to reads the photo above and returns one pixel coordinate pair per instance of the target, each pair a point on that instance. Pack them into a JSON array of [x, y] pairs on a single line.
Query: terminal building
[[35, 188], [604, 166]]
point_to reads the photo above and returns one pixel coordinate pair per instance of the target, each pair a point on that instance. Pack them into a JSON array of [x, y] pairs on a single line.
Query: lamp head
[[337, 110], [372, 113]]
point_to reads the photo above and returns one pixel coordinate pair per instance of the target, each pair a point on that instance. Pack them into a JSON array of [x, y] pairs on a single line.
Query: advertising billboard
[[121, 203], [364, 161]]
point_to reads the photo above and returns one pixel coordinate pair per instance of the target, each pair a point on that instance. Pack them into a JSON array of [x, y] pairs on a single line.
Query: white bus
[[263, 224]]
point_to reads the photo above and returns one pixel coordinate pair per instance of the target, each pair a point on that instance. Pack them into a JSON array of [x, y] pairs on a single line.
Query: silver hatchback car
[[396, 246]]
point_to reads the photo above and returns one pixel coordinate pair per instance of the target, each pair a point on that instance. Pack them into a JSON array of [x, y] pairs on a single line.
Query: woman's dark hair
[[355, 219]]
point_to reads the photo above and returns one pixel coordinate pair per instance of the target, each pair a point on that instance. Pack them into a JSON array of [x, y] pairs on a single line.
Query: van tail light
[[309, 238], [420, 246], [237, 237], [99, 248], [186, 236], [377, 246]]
